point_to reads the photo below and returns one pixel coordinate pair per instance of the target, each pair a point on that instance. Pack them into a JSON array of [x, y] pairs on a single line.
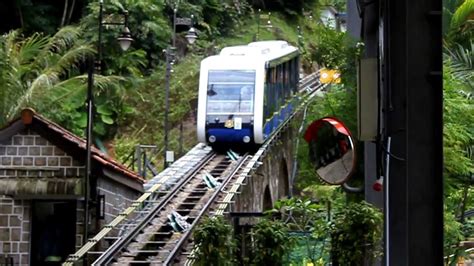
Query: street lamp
[[258, 25], [191, 37], [124, 40], [300, 40]]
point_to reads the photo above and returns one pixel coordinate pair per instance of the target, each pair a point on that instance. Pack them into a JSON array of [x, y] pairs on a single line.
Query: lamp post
[[124, 40], [191, 37], [258, 25], [300, 40], [268, 24]]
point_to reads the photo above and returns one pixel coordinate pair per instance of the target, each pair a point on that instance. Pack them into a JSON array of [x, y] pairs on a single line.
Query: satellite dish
[[331, 150]]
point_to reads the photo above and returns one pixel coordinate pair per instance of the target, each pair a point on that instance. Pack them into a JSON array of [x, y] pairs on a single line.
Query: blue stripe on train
[[277, 119], [229, 134]]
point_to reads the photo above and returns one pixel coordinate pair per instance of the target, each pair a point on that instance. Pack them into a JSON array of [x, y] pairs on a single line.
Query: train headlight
[[212, 138], [246, 139]]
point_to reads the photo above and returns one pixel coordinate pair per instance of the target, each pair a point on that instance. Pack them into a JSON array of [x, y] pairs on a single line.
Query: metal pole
[[413, 113], [99, 49], [90, 103], [174, 26], [90, 116], [386, 200], [180, 149], [167, 104], [258, 25], [167, 82]]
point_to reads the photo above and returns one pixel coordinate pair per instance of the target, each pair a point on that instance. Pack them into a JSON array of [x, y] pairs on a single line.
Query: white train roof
[[255, 51]]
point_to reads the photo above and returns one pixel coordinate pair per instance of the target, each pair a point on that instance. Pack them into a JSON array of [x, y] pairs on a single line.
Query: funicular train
[[246, 92]]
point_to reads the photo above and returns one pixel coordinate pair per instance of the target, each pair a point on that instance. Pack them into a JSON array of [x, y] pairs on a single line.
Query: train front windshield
[[230, 92]]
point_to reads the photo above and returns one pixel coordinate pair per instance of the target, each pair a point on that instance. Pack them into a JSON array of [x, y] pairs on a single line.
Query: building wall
[[15, 229], [117, 198], [31, 167], [26, 155]]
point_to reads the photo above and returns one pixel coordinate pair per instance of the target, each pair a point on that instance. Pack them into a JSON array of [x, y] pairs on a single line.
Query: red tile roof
[[97, 155]]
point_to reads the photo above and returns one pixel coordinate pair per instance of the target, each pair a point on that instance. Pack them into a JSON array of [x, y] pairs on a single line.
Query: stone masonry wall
[[274, 173], [117, 198], [27, 155], [15, 229]]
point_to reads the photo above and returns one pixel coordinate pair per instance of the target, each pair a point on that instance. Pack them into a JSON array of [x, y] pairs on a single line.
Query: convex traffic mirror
[[331, 150]]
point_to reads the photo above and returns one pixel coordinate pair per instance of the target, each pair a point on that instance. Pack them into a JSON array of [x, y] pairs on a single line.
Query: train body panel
[[245, 92]]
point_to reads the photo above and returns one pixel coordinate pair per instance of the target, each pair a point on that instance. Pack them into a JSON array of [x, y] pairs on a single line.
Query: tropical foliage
[[458, 125], [217, 246], [458, 147], [355, 232], [34, 67]]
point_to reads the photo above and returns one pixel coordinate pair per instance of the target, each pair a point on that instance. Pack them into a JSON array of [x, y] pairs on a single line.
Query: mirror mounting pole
[[350, 189]]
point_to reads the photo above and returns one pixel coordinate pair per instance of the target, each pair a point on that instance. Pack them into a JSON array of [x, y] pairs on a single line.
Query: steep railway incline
[[157, 228], [153, 240]]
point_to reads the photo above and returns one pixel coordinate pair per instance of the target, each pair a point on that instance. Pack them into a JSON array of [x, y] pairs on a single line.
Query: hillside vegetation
[[45, 68]]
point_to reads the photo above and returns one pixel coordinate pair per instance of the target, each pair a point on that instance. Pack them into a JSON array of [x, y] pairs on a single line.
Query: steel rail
[[73, 258], [112, 251], [172, 256]]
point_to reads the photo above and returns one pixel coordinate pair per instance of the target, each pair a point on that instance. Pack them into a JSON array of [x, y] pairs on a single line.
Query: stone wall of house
[[117, 198], [27, 155], [15, 229], [31, 166]]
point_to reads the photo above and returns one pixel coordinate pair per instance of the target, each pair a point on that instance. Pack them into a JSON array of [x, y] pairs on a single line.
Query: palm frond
[[72, 57], [59, 43], [103, 83], [66, 89], [35, 91], [461, 60], [462, 14], [64, 38], [10, 40], [30, 48]]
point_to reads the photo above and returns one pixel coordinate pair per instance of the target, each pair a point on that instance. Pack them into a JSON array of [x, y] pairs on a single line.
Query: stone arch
[[267, 199], [283, 179]]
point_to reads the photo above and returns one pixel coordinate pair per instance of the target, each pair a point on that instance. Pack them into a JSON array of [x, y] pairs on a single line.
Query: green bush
[[355, 234], [216, 245]]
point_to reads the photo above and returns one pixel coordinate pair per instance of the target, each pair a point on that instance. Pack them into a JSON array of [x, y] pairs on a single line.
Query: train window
[[230, 92], [266, 93], [287, 80]]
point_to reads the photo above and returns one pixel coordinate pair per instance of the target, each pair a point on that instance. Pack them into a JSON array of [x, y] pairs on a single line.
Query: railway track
[[147, 236], [164, 234]]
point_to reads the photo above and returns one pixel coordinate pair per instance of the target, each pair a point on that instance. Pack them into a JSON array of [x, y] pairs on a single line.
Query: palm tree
[[32, 67]]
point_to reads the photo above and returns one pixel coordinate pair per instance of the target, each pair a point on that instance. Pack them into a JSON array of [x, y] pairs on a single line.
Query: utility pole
[[411, 58]]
